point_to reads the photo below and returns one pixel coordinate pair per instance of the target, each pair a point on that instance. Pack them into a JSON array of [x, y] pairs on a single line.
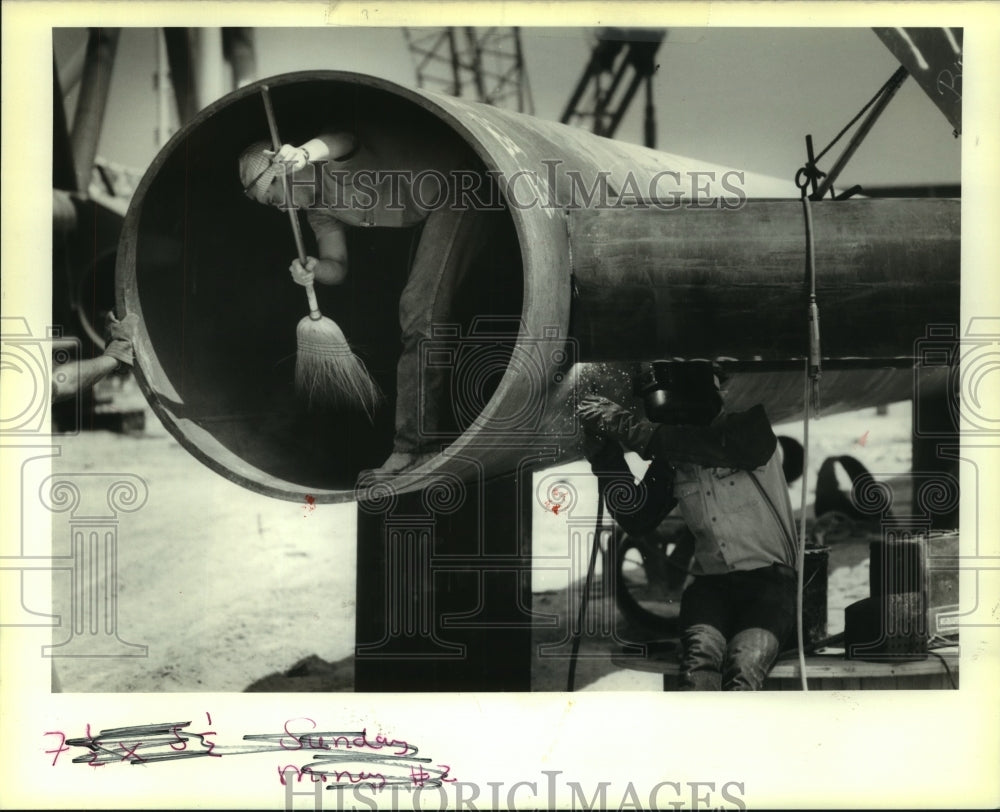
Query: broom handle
[[293, 216]]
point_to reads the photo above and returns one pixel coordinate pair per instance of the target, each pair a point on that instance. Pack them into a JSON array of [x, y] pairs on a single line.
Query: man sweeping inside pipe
[[727, 478], [389, 172]]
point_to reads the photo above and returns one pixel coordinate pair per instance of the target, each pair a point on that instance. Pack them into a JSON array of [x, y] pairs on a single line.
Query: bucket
[[814, 580]]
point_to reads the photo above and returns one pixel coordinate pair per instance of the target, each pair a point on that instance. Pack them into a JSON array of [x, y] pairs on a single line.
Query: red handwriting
[[130, 753], [61, 748], [420, 776], [375, 780], [333, 741], [180, 740], [337, 757], [137, 745]]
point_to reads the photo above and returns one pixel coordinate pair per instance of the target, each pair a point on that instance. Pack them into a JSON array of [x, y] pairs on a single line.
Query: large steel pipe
[[717, 283], [576, 284]]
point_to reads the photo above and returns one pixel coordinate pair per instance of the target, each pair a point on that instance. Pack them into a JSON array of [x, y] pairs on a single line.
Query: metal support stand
[[444, 587], [810, 175], [877, 109]]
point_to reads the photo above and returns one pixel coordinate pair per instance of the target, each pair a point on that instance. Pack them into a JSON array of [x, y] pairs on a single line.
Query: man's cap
[[257, 170], [694, 378]]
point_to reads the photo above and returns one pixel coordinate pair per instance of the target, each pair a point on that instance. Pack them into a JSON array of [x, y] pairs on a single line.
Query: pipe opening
[[208, 271]]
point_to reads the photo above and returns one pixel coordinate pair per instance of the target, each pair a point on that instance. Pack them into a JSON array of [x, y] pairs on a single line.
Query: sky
[[736, 96]]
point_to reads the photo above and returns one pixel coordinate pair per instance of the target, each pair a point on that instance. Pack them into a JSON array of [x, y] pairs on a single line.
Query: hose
[[810, 400], [581, 615], [800, 562]]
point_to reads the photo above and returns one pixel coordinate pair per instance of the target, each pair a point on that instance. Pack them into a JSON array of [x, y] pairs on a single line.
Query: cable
[[813, 370], [810, 400], [581, 615], [947, 668], [861, 112], [800, 561]]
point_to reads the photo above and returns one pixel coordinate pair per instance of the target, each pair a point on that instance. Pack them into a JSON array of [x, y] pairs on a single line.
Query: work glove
[[118, 337], [605, 419], [303, 275], [291, 158]]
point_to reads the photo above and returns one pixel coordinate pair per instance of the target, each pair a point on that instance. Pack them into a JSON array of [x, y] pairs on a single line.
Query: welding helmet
[[679, 392]]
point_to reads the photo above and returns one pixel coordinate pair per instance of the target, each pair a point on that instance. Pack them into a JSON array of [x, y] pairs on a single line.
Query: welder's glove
[[638, 508], [118, 337], [605, 419], [303, 275]]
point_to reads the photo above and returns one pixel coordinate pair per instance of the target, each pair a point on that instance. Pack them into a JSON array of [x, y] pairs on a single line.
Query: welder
[[724, 472]]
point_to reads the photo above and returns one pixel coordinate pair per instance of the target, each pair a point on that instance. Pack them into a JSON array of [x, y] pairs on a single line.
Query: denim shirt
[[731, 491], [734, 525]]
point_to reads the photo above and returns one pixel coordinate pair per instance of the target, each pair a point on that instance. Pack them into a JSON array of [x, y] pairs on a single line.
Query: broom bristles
[[327, 372]]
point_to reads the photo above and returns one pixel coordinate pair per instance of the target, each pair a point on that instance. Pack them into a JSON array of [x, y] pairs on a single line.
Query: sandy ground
[[233, 591]]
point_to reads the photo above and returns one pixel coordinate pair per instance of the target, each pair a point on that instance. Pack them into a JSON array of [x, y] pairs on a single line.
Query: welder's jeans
[[733, 627], [449, 243]]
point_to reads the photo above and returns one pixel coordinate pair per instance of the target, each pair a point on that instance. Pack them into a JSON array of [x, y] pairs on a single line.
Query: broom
[[327, 372]]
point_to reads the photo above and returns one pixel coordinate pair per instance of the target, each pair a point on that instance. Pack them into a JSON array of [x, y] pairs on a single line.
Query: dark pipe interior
[[221, 310]]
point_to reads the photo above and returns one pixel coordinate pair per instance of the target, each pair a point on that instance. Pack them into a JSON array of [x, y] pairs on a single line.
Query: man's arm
[[637, 508], [331, 146], [330, 268], [324, 147], [68, 379], [742, 441]]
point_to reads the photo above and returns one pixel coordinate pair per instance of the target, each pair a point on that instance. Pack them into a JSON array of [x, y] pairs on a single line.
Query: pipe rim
[[128, 300]]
